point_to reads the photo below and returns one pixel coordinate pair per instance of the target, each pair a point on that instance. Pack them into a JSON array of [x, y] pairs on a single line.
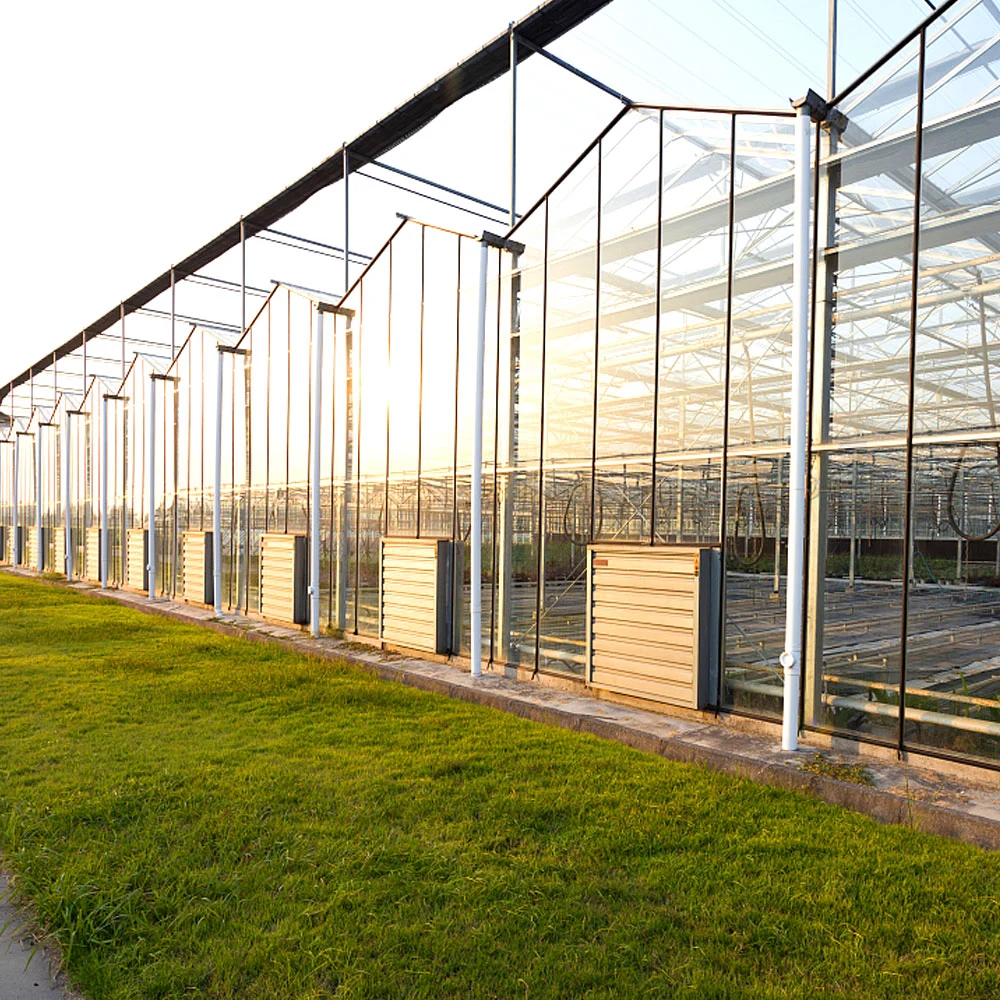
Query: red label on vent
[[600, 562]]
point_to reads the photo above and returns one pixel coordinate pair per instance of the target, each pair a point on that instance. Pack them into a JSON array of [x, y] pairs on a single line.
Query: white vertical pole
[[14, 497], [314, 464], [104, 492], [791, 657], [217, 499], [513, 124], [39, 555], [151, 497], [347, 221], [476, 537], [173, 317], [67, 520], [243, 276]]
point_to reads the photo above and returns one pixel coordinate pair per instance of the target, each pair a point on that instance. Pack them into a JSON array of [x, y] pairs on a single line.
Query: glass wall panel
[[521, 498], [759, 405], [953, 632], [278, 376], [859, 612], [571, 320], [117, 469], [229, 542], [372, 403], [952, 645], [260, 343], [630, 157], [405, 376], [869, 186], [337, 392], [298, 425], [438, 392]]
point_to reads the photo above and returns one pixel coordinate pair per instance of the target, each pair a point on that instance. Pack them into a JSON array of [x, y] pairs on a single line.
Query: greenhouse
[[774, 449]]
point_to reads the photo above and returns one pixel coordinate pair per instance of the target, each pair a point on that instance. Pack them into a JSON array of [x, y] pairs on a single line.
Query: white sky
[[135, 132]]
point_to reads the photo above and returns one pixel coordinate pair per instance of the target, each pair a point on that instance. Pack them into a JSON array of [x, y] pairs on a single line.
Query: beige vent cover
[[31, 546], [283, 578], [196, 562], [59, 538], [92, 555], [653, 622], [136, 555], [415, 593]]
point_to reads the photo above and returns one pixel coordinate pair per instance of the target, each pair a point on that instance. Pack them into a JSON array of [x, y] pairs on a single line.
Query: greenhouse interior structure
[[627, 346]]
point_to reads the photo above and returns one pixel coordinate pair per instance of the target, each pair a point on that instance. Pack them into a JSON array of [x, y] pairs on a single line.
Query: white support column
[[476, 536], [151, 494], [791, 657], [513, 123], [39, 554], [66, 493], [347, 218], [104, 492], [15, 560], [314, 472], [217, 492]]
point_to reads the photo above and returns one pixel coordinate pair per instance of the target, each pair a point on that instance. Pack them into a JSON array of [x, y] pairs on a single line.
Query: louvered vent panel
[[196, 561], [416, 593], [136, 576], [283, 587], [31, 546], [92, 555], [653, 622], [59, 553]]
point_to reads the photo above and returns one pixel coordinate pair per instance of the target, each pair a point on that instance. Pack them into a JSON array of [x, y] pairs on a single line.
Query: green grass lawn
[[197, 816]]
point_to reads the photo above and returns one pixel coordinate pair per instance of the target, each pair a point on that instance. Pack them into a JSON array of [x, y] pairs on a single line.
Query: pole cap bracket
[[501, 243], [814, 105]]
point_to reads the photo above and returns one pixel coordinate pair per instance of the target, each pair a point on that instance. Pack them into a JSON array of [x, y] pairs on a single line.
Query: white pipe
[[67, 519], [513, 124], [39, 555], [791, 658], [151, 496], [475, 538], [217, 498], [17, 456], [104, 492], [314, 462]]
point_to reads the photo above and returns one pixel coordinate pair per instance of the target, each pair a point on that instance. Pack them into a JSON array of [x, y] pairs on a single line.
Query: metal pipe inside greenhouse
[[476, 516], [791, 657], [315, 470], [217, 491], [104, 492], [151, 462]]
